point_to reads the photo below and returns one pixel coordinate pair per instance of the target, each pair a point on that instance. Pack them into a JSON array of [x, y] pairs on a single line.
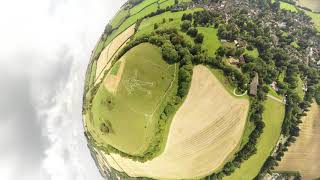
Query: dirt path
[[204, 132], [304, 154]]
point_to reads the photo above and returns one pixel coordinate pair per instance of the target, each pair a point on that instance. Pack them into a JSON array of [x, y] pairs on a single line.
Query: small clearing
[[304, 154], [113, 78], [106, 56], [204, 133]]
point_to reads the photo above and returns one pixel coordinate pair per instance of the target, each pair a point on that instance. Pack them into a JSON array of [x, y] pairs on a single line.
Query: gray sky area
[[44, 50]]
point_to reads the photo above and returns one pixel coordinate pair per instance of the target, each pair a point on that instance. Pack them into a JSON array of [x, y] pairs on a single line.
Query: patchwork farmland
[[199, 142], [199, 90]]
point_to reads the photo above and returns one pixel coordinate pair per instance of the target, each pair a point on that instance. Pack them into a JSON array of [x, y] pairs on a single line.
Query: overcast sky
[[44, 50]]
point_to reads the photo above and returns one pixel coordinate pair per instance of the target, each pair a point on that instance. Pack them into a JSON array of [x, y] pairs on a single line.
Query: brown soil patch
[[106, 56], [111, 82], [304, 154], [204, 133]]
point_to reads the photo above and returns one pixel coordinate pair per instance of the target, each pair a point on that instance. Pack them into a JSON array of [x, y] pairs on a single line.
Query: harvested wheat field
[[106, 56], [304, 154], [205, 131]]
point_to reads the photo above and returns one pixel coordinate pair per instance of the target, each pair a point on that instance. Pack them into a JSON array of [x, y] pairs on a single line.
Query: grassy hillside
[[132, 111], [272, 117]]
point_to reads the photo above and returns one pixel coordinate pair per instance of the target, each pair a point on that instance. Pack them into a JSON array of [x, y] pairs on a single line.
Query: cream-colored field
[[304, 154], [106, 56], [112, 81], [205, 131], [312, 4]]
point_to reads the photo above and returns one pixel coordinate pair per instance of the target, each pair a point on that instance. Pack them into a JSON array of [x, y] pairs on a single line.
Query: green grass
[[115, 68], [253, 53], [282, 75], [287, 6], [315, 18], [295, 45], [300, 88], [142, 5], [166, 4], [117, 19], [247, 131], [273, 117], [134, 111], [211, 41], [147, 26]]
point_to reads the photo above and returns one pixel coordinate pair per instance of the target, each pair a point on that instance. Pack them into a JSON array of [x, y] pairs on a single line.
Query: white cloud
[[45, 46]]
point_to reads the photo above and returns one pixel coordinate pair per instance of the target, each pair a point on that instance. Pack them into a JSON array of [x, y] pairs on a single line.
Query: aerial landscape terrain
[[205, 90]]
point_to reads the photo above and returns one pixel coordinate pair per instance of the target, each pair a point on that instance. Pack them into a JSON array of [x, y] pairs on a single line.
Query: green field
[[134, 111], [117, 19], [272, 117], [287, 6], [141, 6], [115, 68], [253, 53], [211, 41], [299, 88], [315, 18], [166, 4], [147, 26]]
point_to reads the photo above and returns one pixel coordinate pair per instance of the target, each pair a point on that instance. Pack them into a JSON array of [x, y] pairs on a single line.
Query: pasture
[[315, 19], [304, 154], [273, 117], [287, 6], [131, 113], [211, 41], [119, 17], [147, 25], [204, 133]]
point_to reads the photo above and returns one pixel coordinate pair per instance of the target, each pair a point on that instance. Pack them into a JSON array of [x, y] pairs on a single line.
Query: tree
[[192, 32], [156, 26], [186, 24], [176, 1], [199, 38], [169, 53]]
